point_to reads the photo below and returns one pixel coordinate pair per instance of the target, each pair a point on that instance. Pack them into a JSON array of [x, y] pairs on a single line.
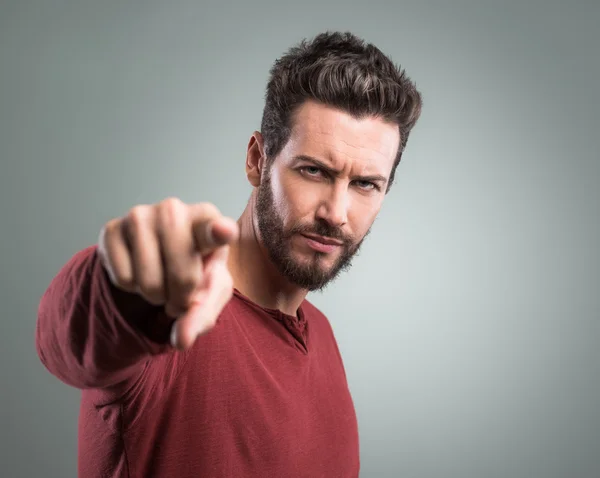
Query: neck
[[253, 273]]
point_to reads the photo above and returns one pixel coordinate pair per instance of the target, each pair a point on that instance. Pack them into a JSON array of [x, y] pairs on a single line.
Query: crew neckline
[[300, 310], [295, 324]]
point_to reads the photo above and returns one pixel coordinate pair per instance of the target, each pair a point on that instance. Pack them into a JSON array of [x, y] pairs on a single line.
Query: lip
[[321, 244], [324, 240]]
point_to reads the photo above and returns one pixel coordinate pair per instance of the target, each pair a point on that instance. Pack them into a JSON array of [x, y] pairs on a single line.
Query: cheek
[[362, 214], [280, 196], [297, 201]]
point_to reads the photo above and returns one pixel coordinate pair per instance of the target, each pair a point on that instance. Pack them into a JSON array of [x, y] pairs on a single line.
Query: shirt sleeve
[[90, 334]]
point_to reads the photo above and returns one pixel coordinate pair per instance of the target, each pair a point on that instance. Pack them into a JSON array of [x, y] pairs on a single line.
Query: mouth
[[325, 245], [329, 241]]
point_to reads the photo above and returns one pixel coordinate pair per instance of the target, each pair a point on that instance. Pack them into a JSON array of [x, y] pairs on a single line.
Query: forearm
[[90, 334]]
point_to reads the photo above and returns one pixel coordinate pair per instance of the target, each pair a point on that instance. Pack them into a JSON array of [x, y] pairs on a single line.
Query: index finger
[[211, 230]]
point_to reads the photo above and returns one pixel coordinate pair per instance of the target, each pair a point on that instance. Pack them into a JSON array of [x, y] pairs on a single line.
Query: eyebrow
[[335, 172]]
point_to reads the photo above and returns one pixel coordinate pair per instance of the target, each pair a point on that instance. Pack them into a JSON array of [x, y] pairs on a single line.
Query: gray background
[[470, 324]]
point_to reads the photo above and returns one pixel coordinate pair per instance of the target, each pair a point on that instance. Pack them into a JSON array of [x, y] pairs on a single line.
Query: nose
[[334, 208]]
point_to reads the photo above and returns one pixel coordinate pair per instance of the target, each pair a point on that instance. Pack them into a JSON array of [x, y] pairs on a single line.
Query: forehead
[[333, 135]]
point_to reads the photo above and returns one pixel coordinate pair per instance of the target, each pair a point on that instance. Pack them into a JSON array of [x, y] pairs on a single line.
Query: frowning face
[[320, 196]]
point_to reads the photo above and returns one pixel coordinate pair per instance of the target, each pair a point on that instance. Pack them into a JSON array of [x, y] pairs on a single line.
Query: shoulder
[[322, 333], [315, 316], [311, 310]]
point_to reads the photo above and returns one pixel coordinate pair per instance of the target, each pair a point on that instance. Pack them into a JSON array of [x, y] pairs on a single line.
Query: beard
[[311, 274]]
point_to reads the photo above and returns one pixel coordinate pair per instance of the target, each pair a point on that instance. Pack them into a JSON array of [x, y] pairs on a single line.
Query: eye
[[310, 170], [367, 185]]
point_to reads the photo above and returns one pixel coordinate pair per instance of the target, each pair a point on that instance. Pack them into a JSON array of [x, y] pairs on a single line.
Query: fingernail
[[209, 233], [174, 335]]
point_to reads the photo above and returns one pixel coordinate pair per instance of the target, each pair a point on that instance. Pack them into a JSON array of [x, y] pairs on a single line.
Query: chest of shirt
[[247, 398]]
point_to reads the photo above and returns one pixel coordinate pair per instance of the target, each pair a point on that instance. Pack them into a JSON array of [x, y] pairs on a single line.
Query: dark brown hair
[[340, 70]]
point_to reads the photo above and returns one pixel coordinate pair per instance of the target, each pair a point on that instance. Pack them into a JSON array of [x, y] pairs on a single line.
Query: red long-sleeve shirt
[[262, 395]]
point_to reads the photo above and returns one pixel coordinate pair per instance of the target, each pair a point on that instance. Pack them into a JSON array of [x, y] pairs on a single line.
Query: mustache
[[322, 229]]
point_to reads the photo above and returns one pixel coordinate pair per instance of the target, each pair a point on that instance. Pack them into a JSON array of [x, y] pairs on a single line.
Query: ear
[[255, 159]]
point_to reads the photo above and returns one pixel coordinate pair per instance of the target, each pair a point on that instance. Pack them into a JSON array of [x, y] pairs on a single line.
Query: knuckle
[[138, 213], [111, 229], [171, 201], [109, 235], [121, 280], [171, 212], [171, 204], [136, 217], [209, 209], [104, 234]]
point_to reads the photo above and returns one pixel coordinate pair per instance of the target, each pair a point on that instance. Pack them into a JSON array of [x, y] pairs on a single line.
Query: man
[[189, 333]]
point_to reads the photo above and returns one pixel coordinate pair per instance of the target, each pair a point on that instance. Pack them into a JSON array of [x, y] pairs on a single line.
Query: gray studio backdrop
[[470, 323]]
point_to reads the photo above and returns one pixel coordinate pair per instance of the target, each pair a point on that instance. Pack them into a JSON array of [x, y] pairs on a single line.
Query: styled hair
[[340, 70]]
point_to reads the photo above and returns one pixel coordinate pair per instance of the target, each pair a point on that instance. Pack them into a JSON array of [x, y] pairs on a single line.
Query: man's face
[[317, 201]]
